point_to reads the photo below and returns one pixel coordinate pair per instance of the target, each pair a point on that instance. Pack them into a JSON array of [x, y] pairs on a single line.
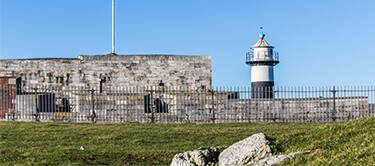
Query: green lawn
[[24, 143]]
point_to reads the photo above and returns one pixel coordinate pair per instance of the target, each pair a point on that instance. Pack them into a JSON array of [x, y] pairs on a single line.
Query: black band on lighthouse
[[262, 89]]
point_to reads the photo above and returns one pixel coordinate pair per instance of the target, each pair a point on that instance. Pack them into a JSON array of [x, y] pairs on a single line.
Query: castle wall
[[112, 70]]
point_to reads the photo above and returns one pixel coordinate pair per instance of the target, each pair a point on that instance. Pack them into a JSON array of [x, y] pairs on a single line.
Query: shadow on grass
[[275, 145]]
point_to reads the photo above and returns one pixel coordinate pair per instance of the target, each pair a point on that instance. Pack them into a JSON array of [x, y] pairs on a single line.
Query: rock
[[246, 152], [273, 160], [199, 157]]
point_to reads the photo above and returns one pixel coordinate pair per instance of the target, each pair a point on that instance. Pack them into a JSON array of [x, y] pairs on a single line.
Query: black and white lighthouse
[[262, 60]]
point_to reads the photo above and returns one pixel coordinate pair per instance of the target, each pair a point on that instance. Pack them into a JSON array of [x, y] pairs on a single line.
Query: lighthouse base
[[262, 90]]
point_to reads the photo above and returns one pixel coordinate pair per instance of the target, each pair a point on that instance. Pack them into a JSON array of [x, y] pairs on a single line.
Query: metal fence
[[185, 105]]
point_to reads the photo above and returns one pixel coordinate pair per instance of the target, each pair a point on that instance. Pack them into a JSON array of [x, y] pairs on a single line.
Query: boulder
[[199, 157], [246, 152], [274, 160]]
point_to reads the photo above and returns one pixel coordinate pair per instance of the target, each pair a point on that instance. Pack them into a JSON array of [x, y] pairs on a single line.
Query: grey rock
[[246, 152], [273, 160], [199, 157]]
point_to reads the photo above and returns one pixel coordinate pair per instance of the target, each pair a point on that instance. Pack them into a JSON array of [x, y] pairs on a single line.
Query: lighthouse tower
[[262, 60]]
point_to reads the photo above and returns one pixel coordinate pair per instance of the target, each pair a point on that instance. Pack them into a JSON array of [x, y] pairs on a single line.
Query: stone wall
[[112, 70], [7, 95]]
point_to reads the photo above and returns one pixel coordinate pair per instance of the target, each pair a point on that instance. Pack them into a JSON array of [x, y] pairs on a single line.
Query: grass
[[26, 143]]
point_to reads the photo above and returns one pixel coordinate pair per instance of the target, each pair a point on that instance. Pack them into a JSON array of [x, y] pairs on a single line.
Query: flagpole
[[113, 28]]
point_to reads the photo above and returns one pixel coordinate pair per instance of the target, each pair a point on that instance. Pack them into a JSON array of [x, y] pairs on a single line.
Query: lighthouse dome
[[262, 43]]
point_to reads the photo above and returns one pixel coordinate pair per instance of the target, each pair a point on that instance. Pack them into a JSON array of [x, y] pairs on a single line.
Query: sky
[[320, 42]]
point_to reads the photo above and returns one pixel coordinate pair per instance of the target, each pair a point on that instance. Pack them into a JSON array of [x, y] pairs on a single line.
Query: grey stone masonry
[[112, 70]]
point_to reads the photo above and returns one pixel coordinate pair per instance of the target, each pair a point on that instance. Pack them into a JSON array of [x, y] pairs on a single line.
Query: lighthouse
[[262, 60]]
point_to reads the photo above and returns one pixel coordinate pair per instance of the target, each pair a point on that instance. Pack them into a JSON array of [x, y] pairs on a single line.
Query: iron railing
[[185, 105], [271, 57]]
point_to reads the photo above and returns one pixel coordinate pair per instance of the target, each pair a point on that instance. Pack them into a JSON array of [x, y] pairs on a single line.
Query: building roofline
[[39, 59], [143, 55], [110, 55]]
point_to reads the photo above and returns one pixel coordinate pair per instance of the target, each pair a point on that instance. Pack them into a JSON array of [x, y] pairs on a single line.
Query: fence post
[[13, 104], [334, 91], [213, 105], [248, 91], [93, 114], [37, 114], [153, 108]]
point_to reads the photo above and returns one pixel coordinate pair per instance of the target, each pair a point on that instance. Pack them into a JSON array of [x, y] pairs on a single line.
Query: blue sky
[[321, 42]]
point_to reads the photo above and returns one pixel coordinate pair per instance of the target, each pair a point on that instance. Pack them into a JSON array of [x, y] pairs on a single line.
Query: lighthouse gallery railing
[[252, 57]]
